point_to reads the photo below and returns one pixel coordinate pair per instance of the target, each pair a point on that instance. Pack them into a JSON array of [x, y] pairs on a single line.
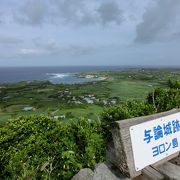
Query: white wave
[[57, 75]]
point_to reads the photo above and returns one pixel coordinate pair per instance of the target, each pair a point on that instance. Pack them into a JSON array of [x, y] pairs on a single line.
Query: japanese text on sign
[[157, 139]]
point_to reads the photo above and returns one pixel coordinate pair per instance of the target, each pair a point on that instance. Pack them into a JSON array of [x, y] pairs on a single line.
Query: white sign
[[155, 140]]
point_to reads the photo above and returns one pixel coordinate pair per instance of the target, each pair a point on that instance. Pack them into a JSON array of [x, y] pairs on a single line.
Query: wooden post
[[123, 154]]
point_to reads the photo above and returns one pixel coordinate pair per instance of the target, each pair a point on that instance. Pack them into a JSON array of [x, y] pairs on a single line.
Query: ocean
[[56, 75]]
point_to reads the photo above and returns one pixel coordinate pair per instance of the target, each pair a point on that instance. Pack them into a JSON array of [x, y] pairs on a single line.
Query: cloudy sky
[[89, 32]]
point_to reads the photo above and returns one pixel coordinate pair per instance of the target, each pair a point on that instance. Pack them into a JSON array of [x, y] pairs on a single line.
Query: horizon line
[[125, 66]]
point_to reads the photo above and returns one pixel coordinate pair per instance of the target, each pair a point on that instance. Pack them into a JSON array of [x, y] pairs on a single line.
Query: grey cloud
[[77, 12], [1, 20], [45, 44], [48, 46], [32, 12], [79, 50], [10, 41], [70, 11], [52, 47], [72, 50], [157, 20], [110, 12], [176, 35]]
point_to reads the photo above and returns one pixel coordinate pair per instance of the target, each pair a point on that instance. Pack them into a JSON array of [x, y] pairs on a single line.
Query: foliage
[[128, 109], [174, 84], [165, 99], [158, 101], [39, 147]]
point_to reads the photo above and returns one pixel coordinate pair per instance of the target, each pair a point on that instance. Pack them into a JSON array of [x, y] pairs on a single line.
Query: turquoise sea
[[57, 75]]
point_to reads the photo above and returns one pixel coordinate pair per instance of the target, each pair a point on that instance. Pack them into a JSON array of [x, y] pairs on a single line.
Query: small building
[[93, 97], [113, 101], [7, 97], [66, 91], [60, 116], [88, 100], [77, 102], [74, 98], [105, 102], [28, 108]]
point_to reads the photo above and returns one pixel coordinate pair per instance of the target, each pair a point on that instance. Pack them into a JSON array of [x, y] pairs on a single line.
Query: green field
[[131, 89], [77, 100]]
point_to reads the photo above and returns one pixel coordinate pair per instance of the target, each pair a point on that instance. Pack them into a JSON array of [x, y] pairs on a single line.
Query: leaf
[[44, 166]]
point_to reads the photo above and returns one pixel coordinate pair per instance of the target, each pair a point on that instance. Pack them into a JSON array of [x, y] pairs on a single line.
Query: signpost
[[155, 140], [143, 141]]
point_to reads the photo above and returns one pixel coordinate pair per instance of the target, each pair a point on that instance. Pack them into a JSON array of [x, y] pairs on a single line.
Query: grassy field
[[90, 111], [131, 89], [74, 100]]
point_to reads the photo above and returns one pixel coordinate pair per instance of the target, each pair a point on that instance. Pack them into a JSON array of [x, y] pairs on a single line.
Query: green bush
[[128, 109], [174, 84], [38, 147], [164, 99]]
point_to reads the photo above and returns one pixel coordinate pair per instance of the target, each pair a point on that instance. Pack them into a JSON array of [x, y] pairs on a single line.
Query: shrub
[[164, 99], [40, 147], [128, 109]]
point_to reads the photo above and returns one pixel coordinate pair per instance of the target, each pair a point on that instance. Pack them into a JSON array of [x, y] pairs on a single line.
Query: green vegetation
[[38, 147], [125, 110], [60, 142], [27, 98], [161, 99], [164, 99]]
